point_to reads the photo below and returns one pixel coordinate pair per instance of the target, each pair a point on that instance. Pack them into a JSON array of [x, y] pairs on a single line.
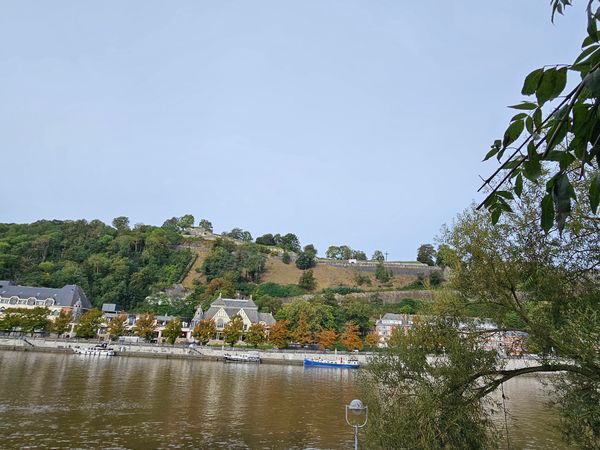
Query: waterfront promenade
[[271, 356]]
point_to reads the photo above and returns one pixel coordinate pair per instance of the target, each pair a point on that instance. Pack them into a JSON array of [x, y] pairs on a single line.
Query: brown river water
[[74, 401]]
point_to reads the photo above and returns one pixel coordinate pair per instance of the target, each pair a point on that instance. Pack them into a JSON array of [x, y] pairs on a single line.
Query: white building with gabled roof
[[222, 310]]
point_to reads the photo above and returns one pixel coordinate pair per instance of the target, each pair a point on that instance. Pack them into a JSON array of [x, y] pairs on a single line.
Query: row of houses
[[72, 298], [507, 342]]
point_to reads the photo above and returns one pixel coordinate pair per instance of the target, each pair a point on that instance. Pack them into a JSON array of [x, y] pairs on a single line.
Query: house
[[386, 325], [70, 297], [222, 310]]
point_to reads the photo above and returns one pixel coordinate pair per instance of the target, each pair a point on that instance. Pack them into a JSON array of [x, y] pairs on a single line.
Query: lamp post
[[357, 408]]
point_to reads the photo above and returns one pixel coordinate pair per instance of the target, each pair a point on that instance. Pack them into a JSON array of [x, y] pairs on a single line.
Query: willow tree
[[523, 279]]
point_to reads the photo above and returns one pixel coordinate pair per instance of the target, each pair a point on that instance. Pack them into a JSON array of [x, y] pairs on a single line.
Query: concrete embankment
[[293, 357], [289, 357]]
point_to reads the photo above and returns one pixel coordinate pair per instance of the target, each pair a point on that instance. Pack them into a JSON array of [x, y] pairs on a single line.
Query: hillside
[[280, 273]]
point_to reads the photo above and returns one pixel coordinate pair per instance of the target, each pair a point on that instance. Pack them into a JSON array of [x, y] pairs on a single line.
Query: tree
[[359, 313], [239, 234], [172, 330], [317, 314], [186, 221], [35, 319], [62, 323], [89, 324], [233, 330], [256, 334], [285, 258], [326, 338], [378, 256], [121, 223], [561, 139], [117, 327], [302, 334], [289, 242], [206, 225], [310, 250], [382, 273], [266, 239], [333, 252], [359, 255], [372, 339], [346, 252], [145, 326], [350, 337], [10, 320], [307, 280], [426, 254], [305, 261], [446, 257], [204, 331], [279, 334], [523, 279]]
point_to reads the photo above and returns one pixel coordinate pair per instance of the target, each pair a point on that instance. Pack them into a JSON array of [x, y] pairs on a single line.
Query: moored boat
[[97, 350], [345, 363], [251, 357]]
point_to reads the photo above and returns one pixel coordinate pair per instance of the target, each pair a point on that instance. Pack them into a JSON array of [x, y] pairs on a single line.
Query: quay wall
[[289, 357]]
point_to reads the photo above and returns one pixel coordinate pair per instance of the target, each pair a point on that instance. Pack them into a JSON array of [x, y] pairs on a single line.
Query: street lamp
[[357, 408]]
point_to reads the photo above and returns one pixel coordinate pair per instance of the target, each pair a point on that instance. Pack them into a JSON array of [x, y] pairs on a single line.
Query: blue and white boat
[[345, 363]]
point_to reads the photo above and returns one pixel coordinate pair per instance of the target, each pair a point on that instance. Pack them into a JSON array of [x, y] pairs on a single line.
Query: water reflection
[[76, 401]]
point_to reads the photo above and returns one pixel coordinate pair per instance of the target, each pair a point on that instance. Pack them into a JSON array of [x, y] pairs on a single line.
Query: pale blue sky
[[346, 122]]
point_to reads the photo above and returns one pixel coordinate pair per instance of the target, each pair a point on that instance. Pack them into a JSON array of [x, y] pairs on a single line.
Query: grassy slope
[[278, 272]]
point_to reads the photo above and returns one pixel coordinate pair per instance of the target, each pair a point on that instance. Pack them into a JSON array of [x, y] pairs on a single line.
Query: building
[[70, 297], [386, 325], [222, 310]]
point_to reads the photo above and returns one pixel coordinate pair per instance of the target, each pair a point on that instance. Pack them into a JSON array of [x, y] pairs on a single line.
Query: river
[[72, 401]]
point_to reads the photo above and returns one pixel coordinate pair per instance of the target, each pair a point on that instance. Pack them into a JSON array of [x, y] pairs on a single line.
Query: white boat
[[251, 357], [97, 350]]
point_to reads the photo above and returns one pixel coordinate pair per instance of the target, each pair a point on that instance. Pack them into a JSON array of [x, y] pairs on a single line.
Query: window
[[220, 323]]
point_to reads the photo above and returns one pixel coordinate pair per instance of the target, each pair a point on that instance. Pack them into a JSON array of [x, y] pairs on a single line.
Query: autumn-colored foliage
[[145, 326], [372, 339], [279, 334], [302, 334], [256, 334], [117, 326], [204, 331], [326, 338], [350, 337], [233, 330]]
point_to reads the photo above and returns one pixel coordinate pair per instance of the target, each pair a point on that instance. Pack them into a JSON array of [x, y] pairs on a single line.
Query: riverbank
[[271, 356], [289, 357]]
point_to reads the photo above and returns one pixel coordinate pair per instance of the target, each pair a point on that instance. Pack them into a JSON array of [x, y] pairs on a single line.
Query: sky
[[361, 123]]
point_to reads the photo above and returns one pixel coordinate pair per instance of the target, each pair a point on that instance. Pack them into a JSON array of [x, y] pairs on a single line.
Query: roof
[[111, 307], [67, 296], [233, 307], [266, 318]]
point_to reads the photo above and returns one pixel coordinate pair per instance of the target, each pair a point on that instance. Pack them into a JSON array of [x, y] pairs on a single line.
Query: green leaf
[[562, 192], [594, 192], [547, 213], [551, 85], [519, 185], [537, 118], [531, 82], [585, 53], [592, 82], [532, 168], [513, 132], [496, 215], [524, 105], [529, 125], [505, 194], [491, 153], [519, 116]]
